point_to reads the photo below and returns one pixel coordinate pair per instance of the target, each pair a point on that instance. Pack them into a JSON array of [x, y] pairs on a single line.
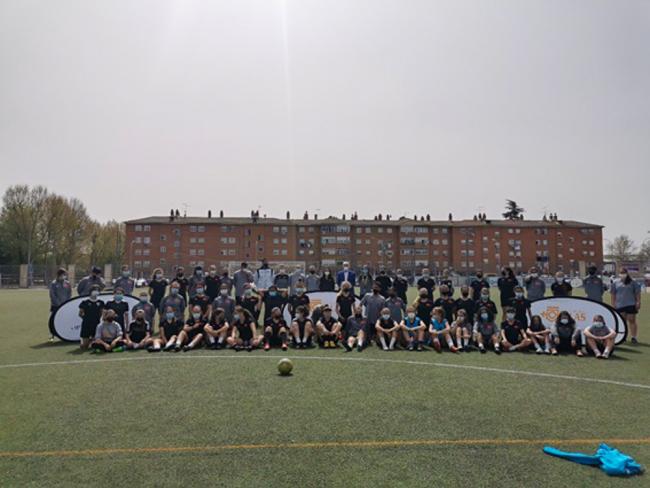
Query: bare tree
[[621, 248]]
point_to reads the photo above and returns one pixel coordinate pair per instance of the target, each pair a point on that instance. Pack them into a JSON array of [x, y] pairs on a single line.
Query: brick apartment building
[[410, 244]]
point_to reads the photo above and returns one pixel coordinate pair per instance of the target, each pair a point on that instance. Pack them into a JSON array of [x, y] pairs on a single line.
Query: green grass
[[172, 400]]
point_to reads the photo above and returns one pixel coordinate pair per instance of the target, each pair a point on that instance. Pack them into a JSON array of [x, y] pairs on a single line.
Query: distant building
[[462, 245]]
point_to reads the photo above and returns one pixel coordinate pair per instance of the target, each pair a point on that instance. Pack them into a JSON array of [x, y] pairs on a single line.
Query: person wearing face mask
[[385, 282], [477, 284], [626, 299], [521, 306], [264, 276], [486, 331], [462, 329], [327, 329], [484, 301], [412, 329], [217, 330], [170, 327], [182, 281], [202, 300], [594, 285], [354, 330], [296, 277], [275, 330], [513, 335], [192, 333], [197, 280], [282, 279], [241, 278], [566, 336], [539, 335], [300, 299], [125, 281], [138, 333], [346, 274], [326, 282], [157, 287], [535, 286], [386, 328], [372, 304], [120, 307], [396, 305], [90, 311], [466, 303], [252, 302], [423, 306], [60, 292], [506, 285], [447, 303], [225, 302], [272, 299], [227, 280], [427, 282], [345, 301], [446, 280], [302, 328], [439, 330], [401, 285], [93, 279], [561, 287], [174, 300], [244, 332], [365, 281], [312, 280], [600, 338], [212, 283], [146, 306], [109, 335]]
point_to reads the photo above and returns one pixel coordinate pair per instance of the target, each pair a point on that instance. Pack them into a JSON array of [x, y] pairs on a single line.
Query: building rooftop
[[363, 222]]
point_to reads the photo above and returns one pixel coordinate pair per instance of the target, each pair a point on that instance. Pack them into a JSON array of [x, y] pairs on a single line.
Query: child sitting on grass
[[108, 336], [566, 336], [513, 335], [462, 329], [440, 329], [599, 336], [540, 335], [413, 329], [486, 331]]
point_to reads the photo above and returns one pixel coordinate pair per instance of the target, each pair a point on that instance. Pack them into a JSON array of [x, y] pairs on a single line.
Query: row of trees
[[40, 227], [623, 248]]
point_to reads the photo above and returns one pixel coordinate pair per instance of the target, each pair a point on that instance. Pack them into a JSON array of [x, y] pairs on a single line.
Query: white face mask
[[511, 316], [196, 316], [599, 324], [622, 276], [559, 279], [385, 317], [484, 316], [534, 275], [411, 316], [564, 321], [224, 293]]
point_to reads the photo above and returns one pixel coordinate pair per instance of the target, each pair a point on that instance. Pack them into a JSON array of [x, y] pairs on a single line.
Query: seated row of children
[[412, 333]]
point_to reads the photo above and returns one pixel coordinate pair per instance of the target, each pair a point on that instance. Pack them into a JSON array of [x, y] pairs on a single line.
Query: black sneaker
[[186, 348], [359, 348], [634, 340], [177, 348], [347, 347], [498, 351], [483, 350]]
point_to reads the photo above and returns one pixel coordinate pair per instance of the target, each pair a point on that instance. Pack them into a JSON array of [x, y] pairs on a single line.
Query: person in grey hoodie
[[108, 335]]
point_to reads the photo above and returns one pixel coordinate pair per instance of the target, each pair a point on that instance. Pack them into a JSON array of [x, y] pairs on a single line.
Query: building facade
[[409, 244]]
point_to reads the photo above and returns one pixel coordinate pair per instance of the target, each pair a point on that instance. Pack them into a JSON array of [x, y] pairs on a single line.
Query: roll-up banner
[[66, 323], [582, 310]]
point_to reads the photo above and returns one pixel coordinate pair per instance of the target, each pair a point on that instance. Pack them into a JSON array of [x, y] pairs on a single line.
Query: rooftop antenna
[[185, 207]]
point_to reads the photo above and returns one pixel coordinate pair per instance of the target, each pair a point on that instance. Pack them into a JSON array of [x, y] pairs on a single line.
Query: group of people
[[246, 311]]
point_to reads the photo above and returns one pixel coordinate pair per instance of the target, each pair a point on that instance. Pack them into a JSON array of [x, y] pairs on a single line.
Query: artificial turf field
[[220, 418]]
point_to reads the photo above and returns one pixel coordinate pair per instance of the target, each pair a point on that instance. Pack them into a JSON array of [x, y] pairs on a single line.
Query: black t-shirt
[[171, 328], [139, 328], [158, 288], [513, 332], [477, 285], [469, 306], [345, 303], [271, 302], [448, 305], [386, 324], [326, 283], [184, 283], [507, 286], [296, 301], [120, 308], [561, 289], [275, 324], [489, 304], [521, 305], [202, 301], [449, 284], [328, 323], [384, 283], [423, 310], [250, 303], [212, 286], [92, 311], [244, 329], [401, 286], [428, 283]]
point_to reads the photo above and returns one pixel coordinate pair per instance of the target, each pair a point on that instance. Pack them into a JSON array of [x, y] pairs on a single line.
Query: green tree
[[513, 211]]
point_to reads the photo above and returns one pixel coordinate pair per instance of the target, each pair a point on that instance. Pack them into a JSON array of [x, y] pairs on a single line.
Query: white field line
[[171, 357]]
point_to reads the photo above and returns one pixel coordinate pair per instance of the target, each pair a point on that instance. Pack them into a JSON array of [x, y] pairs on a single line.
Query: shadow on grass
[[48, 344]]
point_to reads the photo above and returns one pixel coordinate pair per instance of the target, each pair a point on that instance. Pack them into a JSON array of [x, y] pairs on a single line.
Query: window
[[163, 237], [192, 228], [137, 264], [138, 228], [192, 240], [146, 240], [201, 228], [389, 230], [146, 228], [163, 249]]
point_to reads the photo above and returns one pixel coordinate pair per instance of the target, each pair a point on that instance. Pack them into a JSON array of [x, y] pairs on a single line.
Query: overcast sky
[[397, 107]]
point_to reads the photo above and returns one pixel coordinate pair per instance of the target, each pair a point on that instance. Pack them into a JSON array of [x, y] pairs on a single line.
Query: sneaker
[[284, 346], [482, 349], [186, 348], [634, 340], [359, 348], [267, 346], [554, 352], [605, 355], [385, 348], [599, 356], [453, 348], [249, 348], [539, 351], [347, 347], [436, 346], [177, 347], [237, 347], [420, 347], [546, 351], [579, 353], [410, 348], [119, 349], [460, 349], [497, 350]]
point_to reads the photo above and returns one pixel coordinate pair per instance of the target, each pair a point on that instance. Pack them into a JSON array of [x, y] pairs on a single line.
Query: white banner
[[66, 323], [582, 310], [317, 298]]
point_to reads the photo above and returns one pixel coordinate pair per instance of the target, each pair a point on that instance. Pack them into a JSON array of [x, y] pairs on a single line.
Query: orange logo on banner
[[551, 313], [313, 304]]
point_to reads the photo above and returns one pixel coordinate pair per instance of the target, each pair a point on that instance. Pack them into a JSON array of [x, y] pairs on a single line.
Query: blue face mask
[[118, 298], [199, 291], [273, 293], [143, 299], [484, 316], [170, 316], [174, 291]]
